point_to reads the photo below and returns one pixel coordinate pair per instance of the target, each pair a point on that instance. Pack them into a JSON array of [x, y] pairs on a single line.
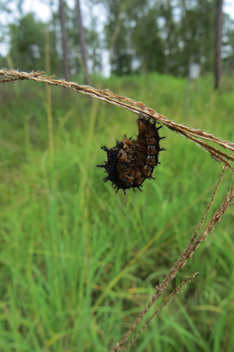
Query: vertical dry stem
[[177, 290], [187, 253]]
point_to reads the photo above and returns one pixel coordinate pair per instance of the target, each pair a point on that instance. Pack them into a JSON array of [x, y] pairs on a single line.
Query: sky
[[43, 11]]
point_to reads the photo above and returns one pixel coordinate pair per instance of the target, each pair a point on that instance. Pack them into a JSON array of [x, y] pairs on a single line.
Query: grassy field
[[66, 237]]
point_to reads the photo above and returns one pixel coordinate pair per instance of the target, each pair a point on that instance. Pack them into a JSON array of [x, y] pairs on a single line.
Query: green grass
[[66, 237]]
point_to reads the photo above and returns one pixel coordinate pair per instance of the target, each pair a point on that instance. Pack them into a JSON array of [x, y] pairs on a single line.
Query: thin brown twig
[[175, 292], [186, 254], [209, 205]]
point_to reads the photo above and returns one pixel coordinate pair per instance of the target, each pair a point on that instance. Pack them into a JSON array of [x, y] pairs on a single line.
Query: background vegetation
[[66, 236], [137, 36]]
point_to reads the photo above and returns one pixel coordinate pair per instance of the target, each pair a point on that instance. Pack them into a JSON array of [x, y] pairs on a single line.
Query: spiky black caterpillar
[[130, 162]]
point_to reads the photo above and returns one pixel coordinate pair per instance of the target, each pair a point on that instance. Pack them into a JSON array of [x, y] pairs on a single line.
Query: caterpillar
[[130, 162]]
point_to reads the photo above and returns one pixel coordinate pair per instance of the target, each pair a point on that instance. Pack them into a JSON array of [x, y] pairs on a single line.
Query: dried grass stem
[[186, 254], [135, 106]]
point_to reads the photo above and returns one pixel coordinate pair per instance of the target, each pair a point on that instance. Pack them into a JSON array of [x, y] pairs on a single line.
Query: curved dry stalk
[[135, 106], [214, 152]]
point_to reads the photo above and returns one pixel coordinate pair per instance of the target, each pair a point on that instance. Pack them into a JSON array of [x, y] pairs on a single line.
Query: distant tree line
[[139, 35]]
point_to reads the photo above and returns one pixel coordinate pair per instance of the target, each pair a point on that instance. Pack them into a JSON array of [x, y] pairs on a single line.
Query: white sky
[[43, 12]]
